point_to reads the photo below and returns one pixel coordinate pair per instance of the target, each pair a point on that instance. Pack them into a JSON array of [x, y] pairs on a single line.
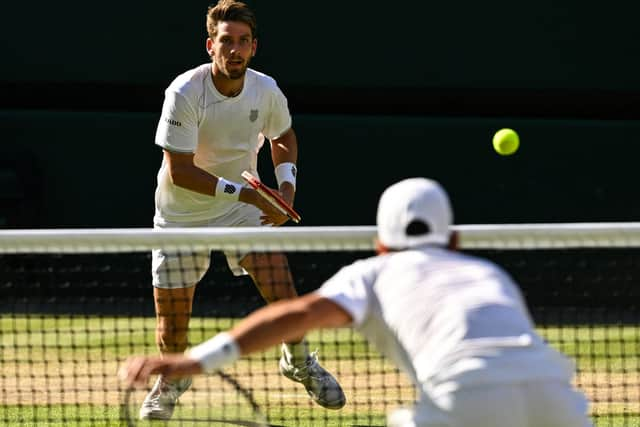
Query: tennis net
[[75, 303]]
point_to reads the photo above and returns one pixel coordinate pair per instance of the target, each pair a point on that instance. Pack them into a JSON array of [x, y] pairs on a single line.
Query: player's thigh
[[534, 404], [556, 404], [423, 414], [178, 269], [487, 406], [244, 215]]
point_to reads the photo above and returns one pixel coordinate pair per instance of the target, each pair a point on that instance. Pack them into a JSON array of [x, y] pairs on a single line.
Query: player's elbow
[[315, 312]]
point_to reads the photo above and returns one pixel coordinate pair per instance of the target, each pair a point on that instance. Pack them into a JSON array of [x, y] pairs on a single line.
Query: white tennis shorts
[[178, 269], [531, 404]]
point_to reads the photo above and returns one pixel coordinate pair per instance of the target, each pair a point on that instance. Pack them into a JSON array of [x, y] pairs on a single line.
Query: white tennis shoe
[[161, 400], [323, 388]]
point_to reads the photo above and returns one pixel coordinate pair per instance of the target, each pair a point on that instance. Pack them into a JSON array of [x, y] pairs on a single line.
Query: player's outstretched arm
[[273, 324]]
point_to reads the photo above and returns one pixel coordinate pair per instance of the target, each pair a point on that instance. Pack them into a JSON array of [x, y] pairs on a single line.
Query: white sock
[[296, 353]]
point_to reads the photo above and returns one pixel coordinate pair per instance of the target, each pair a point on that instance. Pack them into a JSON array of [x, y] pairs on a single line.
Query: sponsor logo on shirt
[[253, 115], [173, 122]]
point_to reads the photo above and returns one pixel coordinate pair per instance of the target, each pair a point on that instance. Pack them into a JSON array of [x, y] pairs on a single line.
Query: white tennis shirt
[[446, 319], [225, 133]]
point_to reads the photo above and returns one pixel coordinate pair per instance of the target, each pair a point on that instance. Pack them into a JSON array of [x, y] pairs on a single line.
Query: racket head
[[212, 400], [271, 196]]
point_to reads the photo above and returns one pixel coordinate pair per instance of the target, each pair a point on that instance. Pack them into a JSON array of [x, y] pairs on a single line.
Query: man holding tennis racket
[[457, 325], [214, 120]]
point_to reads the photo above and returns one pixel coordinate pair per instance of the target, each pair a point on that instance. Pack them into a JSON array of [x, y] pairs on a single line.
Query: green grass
[[59, 360], [60, 416], [103, 416]]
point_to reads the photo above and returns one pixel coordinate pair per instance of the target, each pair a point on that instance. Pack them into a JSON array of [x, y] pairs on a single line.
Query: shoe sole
[[154, 417]]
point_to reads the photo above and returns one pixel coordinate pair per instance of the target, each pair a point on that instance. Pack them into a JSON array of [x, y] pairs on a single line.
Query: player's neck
[[226, 86]]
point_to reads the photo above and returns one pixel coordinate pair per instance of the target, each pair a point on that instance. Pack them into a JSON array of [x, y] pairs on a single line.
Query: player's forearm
[[193, 178], [281, 321], [264, 328]]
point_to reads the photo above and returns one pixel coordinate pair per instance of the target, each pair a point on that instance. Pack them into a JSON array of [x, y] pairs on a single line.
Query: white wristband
[[215, 353], [227, 190], [286, 172]]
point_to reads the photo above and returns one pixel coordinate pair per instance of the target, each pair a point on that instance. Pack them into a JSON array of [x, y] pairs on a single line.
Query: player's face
[[232, 49]]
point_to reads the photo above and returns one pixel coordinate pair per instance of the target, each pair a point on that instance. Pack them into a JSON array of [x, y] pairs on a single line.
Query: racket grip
[[273, 201]]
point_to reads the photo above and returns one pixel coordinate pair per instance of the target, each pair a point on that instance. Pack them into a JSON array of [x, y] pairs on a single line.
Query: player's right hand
[[136, 371]]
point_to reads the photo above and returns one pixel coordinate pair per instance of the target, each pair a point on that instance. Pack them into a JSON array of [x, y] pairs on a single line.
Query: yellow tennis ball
[[506, 141]]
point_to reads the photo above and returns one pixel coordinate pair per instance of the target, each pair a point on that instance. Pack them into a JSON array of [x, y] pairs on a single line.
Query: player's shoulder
[[368, 266], [261, 80], [191, 81], [469, 263]]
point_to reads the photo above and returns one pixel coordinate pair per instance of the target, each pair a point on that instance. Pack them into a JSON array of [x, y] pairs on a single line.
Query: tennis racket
[[212, 400], [271, 196]]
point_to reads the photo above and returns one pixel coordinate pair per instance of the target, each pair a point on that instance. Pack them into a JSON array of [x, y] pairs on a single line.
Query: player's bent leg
[[173, 312], [271, 275], [174, 277]]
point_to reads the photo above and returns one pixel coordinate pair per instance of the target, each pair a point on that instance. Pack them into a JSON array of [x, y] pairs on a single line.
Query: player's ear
[[254, 47], [380, 248], [209, 47], [454, 240]]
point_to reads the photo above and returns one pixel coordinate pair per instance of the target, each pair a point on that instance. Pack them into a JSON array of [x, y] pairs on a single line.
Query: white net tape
[[492, 236]]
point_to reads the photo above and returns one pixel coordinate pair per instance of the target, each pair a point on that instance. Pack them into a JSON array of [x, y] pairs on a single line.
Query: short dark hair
[[230, 10], [417, 228]]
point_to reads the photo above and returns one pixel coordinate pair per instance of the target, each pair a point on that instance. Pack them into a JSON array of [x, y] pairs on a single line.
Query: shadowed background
[[378, 91]]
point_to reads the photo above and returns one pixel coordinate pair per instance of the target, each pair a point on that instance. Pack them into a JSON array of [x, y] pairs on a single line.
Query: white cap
[[413, 212]]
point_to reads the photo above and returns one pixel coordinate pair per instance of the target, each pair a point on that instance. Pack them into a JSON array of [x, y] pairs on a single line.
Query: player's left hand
[[272, 216], [136, 371], [275, 217]]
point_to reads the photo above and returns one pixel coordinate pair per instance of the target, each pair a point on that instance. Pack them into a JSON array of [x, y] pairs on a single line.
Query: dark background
[[379, 91]]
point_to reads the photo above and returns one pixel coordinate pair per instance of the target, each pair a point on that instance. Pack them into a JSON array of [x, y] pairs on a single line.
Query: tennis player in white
[[457, 325], [214, 121]]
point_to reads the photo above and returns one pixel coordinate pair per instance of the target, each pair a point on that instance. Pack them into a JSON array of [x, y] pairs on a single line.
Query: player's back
[[452, 319]]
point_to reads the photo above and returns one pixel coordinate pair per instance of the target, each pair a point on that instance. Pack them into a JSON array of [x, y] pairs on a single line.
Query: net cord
[[489, 236]]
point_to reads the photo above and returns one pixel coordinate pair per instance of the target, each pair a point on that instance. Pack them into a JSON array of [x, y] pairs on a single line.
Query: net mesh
[[75, 303]]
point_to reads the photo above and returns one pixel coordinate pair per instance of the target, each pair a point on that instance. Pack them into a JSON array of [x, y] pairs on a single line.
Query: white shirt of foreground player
[[447, 319]]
